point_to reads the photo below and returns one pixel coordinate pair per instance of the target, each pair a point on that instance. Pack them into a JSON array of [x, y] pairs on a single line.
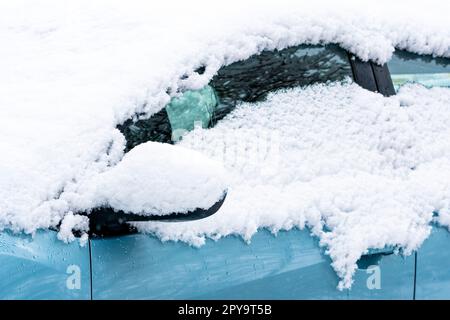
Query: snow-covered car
[[190, 150], [117, 262]]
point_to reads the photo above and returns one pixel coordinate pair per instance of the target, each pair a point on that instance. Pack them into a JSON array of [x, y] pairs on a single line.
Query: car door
[[433, 258], [43, 267], [288, 266], [383, 275]]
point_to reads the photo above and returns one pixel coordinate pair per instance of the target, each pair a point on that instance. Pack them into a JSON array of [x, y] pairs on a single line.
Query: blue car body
[[290, 265], [43, 267]]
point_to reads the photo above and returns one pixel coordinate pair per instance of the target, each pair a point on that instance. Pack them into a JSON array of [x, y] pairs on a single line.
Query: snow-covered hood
[[70, 72]]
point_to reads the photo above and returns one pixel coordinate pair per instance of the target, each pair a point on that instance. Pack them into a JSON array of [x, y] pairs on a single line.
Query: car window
[[406, 67], [244, 81]]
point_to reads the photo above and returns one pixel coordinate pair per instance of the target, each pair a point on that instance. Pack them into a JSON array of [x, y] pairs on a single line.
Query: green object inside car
[[193, 108]]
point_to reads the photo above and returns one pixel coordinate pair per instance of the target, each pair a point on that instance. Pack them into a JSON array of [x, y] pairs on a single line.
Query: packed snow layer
[[155, 179], [360, 170], [71, 71]]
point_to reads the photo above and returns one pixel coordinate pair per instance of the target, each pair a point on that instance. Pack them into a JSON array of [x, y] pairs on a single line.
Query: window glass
[[251, 80], [182, 114], [244, 81], [407, 67]]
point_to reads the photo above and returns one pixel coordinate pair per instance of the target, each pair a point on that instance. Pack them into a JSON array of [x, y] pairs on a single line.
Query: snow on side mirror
[[156, 182]]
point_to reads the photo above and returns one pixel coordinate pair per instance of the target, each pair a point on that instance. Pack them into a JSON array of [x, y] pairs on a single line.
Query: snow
[[69, 223], [157, 179], [360, 170], [71, 71]]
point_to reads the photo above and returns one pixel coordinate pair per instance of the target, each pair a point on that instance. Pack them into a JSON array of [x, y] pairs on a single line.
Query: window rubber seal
[[383, 79], [363, 73]]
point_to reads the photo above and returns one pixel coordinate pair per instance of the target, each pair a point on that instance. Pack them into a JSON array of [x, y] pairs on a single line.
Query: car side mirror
[[156, 182]]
